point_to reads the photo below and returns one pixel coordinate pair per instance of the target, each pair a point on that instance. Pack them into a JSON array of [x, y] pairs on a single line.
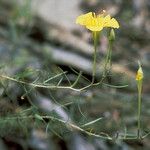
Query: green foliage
[[103, 108]]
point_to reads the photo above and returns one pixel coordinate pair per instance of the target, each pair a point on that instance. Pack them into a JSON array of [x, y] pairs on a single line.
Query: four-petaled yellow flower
[[139, 75], [95, 22]]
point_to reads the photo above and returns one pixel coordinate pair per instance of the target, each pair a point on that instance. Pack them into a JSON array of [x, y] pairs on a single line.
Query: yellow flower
[[96, 23], [139, 75]]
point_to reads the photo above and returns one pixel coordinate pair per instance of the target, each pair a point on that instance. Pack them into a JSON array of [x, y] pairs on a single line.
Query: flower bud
[[139, 75], [112, 35]]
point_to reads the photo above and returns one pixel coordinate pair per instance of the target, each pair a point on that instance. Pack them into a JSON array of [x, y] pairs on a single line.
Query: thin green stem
[[95, 39], [48, 86], [76, 81], [67, 123], [107, 64], [139, 107]]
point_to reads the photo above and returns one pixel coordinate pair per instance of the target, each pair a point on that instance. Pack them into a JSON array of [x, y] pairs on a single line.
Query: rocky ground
[[41, 46]]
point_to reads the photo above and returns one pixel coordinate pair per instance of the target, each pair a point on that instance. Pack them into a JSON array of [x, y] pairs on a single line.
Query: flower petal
[[84, 19], [94, 28], [111, 22], [107, 18], [114, 23]]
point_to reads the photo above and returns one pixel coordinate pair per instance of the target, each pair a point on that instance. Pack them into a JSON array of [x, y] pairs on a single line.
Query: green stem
[[107, 64], [95, 39], [139, 107]]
